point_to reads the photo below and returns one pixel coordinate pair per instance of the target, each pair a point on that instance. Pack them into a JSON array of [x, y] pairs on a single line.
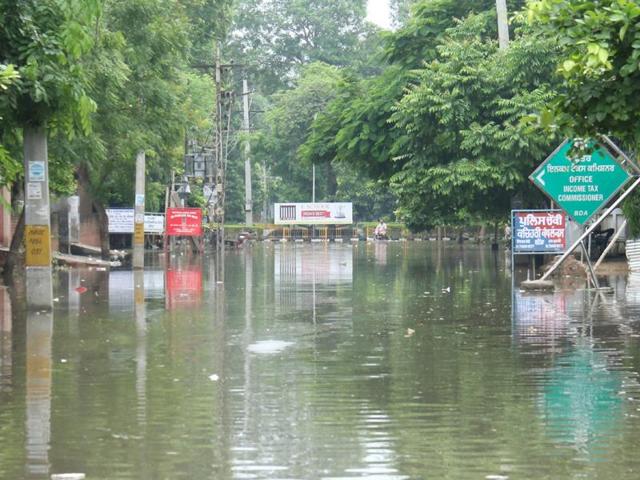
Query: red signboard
[[184, 222], [316, 214]]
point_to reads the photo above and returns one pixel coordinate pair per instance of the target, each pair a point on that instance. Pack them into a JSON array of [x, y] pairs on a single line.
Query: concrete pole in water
[[503, 24], [248, 200], [37, 230], [138, 226]]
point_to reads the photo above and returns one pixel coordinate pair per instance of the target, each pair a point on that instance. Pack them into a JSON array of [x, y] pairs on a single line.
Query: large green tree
[[470, 141], [600, 63], [277, 38], [287, 122], [450, 123]]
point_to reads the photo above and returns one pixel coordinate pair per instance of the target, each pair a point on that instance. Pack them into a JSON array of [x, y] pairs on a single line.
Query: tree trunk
[[103, 220], [14, 250]]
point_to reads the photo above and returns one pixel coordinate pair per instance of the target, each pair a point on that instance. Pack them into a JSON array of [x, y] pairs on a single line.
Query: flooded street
[[379, 361]]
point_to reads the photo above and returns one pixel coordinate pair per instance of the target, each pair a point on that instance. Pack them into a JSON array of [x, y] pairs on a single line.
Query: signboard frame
[[538, 252], [171, 227], [150, 222], [607, 145], [316, 212]]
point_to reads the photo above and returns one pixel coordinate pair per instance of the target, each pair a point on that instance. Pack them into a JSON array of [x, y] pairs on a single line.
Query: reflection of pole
[[248, 334], [248, 208], [38, 393], [37, 230], [138, 230], [6, 324], [141, 345]]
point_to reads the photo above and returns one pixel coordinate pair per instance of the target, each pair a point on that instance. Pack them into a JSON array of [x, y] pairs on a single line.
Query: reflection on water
[[581, 400], [6, 322], [376, 360], [38, 393]]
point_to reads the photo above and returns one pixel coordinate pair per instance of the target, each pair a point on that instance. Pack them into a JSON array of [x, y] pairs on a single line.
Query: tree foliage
[[277, 38], [600, 63], [46, 41], [451, 124]]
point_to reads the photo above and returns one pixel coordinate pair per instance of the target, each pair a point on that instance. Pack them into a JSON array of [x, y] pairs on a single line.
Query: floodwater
[[376, 361]]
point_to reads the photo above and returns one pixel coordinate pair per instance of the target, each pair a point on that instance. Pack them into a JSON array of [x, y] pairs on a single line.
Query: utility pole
[[503, 24], [138, 213], [248, 201], [37, 226], [313, 186], [218, 206], [265, 194]]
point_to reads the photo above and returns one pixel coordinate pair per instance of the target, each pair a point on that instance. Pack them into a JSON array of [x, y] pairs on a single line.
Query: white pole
[[248, 202], [503, 24], [138, 225], [37, 223]]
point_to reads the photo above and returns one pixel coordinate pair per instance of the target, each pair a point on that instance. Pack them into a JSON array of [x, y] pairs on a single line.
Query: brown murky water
[[377, 361]]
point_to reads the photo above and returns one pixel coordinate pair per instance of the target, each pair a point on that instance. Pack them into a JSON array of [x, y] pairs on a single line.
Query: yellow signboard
[[37, 240], [138, 234]]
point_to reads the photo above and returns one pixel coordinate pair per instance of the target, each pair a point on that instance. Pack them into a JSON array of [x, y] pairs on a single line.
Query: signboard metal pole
[[588, 231], [592, 272]]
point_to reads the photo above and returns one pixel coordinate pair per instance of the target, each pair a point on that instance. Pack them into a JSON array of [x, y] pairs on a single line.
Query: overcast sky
[[378, 12]]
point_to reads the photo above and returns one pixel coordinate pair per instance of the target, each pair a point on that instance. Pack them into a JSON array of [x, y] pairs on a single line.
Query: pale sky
[[378, 13]]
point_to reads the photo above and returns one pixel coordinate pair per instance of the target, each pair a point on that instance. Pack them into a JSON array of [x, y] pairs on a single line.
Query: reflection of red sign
[[184, 222], [184, 288], [316, 214]]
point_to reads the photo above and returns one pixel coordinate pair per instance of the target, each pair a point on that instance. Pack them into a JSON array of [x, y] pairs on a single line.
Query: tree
[[453, 133], [400, 10], [356, 127], [287, 124], [9, 168], [277, 38], [46, 41], [600, 65], [469, 140]]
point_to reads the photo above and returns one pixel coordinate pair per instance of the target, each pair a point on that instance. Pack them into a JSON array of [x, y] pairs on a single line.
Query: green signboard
[[580, 186]]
